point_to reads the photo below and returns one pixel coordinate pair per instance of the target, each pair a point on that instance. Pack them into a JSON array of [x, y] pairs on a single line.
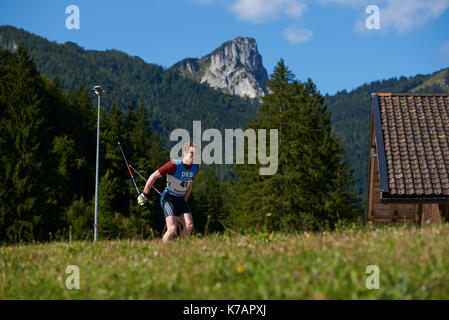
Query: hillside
[[172, 101]]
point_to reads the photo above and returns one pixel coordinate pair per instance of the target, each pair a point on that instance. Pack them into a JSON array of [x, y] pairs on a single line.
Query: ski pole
[[138, 193], [143, 178]]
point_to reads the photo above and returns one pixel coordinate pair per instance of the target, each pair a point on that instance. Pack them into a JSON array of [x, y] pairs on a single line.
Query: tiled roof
[[415, 130]]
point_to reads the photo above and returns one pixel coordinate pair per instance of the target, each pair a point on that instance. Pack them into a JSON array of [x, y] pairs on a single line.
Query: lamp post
[[99, 92]]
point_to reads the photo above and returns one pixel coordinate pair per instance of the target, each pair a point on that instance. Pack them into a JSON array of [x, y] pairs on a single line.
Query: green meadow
[[413, 264]]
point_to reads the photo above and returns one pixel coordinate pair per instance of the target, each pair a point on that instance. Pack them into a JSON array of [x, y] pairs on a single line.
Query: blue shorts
[[173, 205]]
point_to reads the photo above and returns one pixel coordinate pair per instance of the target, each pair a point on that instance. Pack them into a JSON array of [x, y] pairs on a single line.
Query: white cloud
[[295, 35], [399, 15], [414, 14], [260, 11]]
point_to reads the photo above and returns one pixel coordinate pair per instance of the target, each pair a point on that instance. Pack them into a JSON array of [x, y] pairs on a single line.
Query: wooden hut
[[408, 163]]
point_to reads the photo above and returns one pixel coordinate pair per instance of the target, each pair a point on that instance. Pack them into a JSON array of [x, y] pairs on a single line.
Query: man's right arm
[[142, 198], [156, 175], [168, 168]]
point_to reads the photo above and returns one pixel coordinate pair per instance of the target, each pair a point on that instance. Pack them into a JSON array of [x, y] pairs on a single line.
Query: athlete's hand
[[141, 199]]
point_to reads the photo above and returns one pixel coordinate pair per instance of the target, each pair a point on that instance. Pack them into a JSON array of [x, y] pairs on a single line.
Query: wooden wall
[[380, 212]]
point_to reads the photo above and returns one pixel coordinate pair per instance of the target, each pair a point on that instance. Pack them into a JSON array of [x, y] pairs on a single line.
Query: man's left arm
[[189, 189]]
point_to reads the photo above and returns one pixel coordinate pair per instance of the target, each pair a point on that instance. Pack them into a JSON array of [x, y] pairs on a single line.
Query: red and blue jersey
[[179, 176]]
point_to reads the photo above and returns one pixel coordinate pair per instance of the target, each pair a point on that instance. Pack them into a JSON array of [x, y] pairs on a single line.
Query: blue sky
[[326, 40]]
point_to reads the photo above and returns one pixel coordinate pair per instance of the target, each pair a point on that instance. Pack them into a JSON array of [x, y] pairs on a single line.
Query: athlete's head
[[188, 152]]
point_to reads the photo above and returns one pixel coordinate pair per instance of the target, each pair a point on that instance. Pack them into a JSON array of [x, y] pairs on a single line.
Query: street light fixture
[[99, 92]]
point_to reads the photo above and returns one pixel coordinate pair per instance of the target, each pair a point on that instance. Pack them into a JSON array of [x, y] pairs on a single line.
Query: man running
[[180, 175]]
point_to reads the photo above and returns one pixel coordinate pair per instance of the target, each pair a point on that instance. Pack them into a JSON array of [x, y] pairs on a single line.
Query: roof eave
[[382, 160], [388, 198]]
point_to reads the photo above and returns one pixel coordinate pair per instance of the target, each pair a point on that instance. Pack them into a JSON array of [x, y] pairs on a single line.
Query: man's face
[[188, 157]]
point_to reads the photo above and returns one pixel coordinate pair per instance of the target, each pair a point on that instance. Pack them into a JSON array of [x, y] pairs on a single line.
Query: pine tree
[[310, 189], [83, 129], [27, 210]]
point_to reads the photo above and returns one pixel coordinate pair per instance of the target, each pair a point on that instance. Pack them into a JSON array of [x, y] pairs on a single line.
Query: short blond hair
[[186, 147]]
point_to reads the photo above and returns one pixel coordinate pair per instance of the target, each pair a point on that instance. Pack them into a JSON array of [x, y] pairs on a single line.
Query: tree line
[[173, 101]]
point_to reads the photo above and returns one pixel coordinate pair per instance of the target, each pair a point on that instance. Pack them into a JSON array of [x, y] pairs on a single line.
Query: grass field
[[413, 264]]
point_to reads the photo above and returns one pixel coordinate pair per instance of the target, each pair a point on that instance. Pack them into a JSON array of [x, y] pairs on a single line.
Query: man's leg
[[187, 224], [171, 228]]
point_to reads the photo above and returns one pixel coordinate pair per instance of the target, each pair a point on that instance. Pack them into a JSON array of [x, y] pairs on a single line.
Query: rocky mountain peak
[[235, 67]]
